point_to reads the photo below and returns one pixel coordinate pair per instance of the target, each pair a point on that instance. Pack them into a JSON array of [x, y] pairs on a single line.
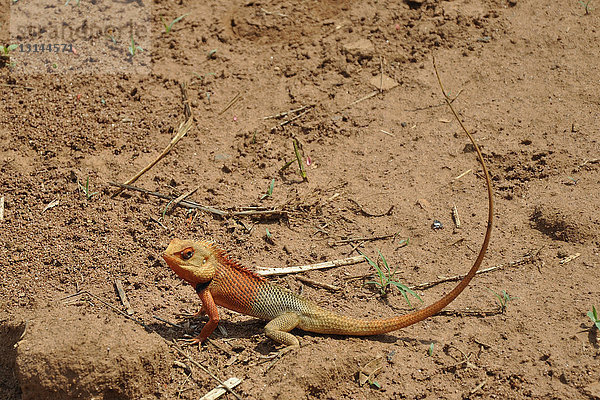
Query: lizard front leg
[[208, 306]]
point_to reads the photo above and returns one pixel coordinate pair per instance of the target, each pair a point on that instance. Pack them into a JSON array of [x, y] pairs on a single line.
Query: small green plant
[[430, 351], [386, 278], [269, 191], [133, 48], [586, 6], [5, 50], [168, 27], [503, 299], [269, 236], [594, 317], [86, 189]]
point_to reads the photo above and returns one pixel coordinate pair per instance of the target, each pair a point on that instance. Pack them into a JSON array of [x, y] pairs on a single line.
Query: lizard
[[221, 281]]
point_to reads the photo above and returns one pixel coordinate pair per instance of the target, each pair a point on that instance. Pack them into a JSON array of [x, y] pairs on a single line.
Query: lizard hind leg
[[279, 327]]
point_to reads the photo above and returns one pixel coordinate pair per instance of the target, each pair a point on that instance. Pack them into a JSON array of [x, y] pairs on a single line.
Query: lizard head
[[194, 262]]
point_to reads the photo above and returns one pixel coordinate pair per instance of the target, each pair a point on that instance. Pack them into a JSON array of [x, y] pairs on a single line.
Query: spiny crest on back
[[226, 259]]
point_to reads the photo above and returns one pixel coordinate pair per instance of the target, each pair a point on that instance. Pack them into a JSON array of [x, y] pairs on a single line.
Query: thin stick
[[1, 208], [283, 114], [182, 130], [231, 103], [220, 390], [317, 283], [167, 322], [569, 259], [292, 119], [123, 296], [463, 174], [525, 260], [387, 133], [179, 199], [211, 210], [310, 267], [11, 85], [203, 368], [123, 313], [355, 239], [372, 94]]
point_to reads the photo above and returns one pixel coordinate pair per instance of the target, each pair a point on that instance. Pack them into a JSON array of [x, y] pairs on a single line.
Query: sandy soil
[[527, 79]]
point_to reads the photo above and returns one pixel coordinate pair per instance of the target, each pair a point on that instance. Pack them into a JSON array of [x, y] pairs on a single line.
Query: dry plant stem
[[182, 130], [10, 85], [317, 283], [203, 368], [123, 313], [171, 206], [364, 239], [527, 259], [123, 297], [310, 267], [167, 322], [372, 94], [231, 103], [283, 114], [210, 210], [292, 119], [220, 390], [1, 208]]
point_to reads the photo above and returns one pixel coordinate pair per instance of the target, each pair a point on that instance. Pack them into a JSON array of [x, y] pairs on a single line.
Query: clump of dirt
[[10, 333], [568, 217], [66, 353]]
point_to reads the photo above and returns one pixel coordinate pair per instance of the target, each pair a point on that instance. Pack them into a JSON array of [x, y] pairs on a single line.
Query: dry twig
[[526, 259], [269, 213], [317, 283], [182, 130], [304, 268]]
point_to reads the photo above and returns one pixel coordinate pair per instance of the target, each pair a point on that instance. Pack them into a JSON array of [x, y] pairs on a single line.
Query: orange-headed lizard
[[220, 281]]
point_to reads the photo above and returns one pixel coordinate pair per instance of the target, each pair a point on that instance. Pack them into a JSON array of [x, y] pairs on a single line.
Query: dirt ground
[[527, 80]]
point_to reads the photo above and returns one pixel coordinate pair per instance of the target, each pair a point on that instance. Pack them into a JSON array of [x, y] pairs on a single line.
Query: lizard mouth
[[183, 271]]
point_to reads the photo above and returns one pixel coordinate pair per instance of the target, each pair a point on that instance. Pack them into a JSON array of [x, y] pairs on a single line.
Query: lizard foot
[[191, 341], [277, 356]]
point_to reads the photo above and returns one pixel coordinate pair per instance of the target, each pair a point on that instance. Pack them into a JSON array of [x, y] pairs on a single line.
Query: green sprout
[[386, 279], [594, 317], [586, 6], [503, 299], [269, 236], [270, 190], [133, 48], [430, 350], [168, 27], [5, 50], [86, 189]]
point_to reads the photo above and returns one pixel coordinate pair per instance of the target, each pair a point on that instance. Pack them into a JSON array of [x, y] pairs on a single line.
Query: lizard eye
[[186, 254]]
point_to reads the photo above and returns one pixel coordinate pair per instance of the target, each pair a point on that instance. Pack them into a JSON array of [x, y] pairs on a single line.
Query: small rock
[[360, 50], [383, 82], [222, 157]]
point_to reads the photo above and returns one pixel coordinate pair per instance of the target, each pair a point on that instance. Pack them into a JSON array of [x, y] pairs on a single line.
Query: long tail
[[350, 326]]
